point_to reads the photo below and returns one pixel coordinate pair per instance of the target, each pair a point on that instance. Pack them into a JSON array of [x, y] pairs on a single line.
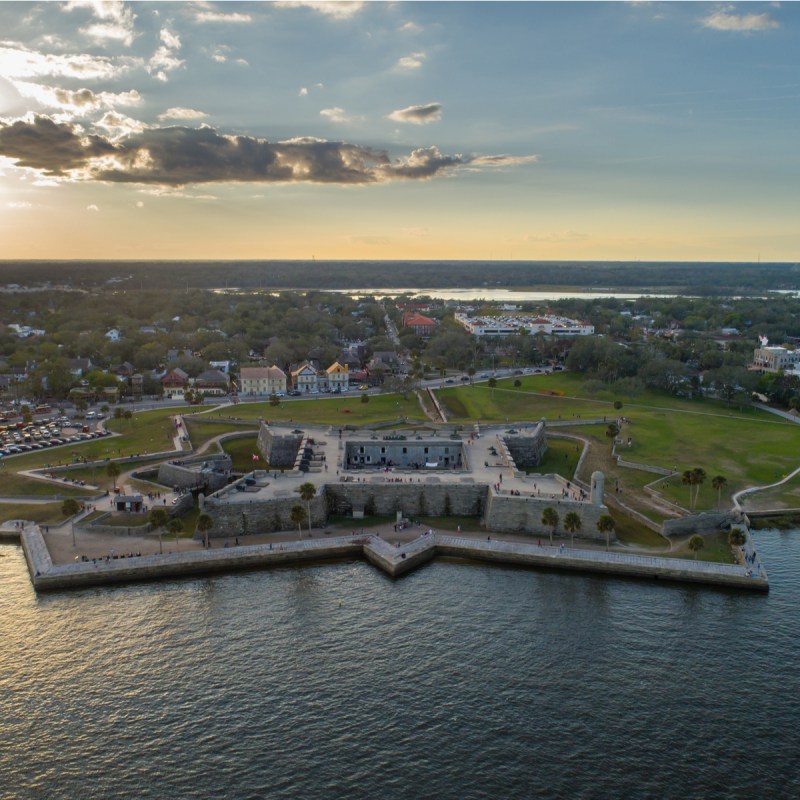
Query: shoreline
[[394, 559]]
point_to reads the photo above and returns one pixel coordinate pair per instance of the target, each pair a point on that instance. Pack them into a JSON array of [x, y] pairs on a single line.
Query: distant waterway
[[458, 681]]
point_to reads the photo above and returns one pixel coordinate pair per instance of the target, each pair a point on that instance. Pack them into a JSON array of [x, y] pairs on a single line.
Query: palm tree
[[204, 524], [736, 537], [696, 544], [297, 515], [492, 384], [308, 492], [572, 522], [550, 520], [175, 526], [158, 519], [699, 479], [719, 482], [605, 524], [69, 508], [113, 471], [687, 479]]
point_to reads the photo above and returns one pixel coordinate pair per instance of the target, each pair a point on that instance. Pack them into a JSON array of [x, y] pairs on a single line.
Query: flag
[[255, 457]]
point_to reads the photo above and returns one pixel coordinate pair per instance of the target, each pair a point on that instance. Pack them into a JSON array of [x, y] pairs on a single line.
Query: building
[[212, 382], [775, 359], [174, 383], [338, 377], [304, 378], [114, 335], [262, 381], [421, 325], [509, 324]]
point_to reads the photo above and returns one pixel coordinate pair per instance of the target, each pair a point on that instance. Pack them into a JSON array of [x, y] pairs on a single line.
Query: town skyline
[[509, 131]]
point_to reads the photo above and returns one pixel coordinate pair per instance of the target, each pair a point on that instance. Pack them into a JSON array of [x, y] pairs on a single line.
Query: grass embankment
[[747, 446], [204, 428], [561, 457], [13, 485], [331, 410], [41, 513], [241, 452], [97, 475]]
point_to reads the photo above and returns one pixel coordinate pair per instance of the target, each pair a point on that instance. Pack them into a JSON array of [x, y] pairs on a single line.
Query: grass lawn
[[241, 451], [716, 549], [13, 485], [205, 428], [335, 410], [97, 476], [747, 447], [561, 457], [122, 519], [630, 532], [43, 513], [785, 496]]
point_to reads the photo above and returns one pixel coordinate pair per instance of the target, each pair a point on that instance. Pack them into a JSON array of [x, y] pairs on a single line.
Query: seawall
[[395, 561]]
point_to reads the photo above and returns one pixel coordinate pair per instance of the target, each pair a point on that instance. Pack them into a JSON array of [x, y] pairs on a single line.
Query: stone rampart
[[279, 449], [698, 523], [527, 449], [262, 516], [516, 513], [189, 473]]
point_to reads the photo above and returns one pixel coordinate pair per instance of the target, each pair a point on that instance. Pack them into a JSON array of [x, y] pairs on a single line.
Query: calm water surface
[[458, 681]]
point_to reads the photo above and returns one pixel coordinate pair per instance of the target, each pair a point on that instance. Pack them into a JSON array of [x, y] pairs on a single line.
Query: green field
[[329, 410], [43, 513], [13, 485], [241, 451], [205, 428]]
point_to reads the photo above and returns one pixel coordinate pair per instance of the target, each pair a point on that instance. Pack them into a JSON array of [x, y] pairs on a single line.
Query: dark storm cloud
[[52, 147], [177, 156]]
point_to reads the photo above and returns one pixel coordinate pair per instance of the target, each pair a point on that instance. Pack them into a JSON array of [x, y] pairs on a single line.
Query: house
[[174, 355], [304, 378], [262, 381], [114, 335], [421, 325], [338, 377], [137, 383], [386, 361], [212, 382], [174, 383], [78, 367], [124, 370], [222, 366]]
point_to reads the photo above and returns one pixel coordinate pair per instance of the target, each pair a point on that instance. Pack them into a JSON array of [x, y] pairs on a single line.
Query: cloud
[[303, 92], [182, 114], [18, 61], [139, 204], [54, 148], [92, 207], [235, 17], [338, 115], [164, 59], [118, 125], [724, 20], [19, 205], [116, 20], [410, 27], [410, 63], [76, 100], [340, 9], [177, 156], [418, 115]]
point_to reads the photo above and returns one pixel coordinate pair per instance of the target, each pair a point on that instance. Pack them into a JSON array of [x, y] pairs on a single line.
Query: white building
[[509, 324], [262, 381], [774, 359]]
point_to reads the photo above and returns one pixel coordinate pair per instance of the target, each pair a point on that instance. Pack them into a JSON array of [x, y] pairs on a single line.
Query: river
[[458, 681]]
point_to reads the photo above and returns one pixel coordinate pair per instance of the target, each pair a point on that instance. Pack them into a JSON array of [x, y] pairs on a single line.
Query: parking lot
[[17, 436]]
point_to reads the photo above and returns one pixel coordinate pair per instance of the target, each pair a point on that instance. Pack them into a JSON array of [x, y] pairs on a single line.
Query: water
[[459, 681]]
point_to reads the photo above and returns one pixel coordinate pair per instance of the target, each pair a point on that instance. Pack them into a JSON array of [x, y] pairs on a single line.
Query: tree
[[297, 515], [550, 520], [612, 431], [618, 404], [175, 526], [204, 524], [471, 373], [736, 537], [572, 522], [605, 524], [492, 384], [517, 383], [687, 479], [719, 482], [365, 398], [158, 519], [69, 508], [274, 400], [699, 479], [113, 471], [696, 544], [307, 492]]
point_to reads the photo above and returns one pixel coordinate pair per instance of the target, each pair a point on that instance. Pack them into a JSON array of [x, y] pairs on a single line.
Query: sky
[[382, 130]]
